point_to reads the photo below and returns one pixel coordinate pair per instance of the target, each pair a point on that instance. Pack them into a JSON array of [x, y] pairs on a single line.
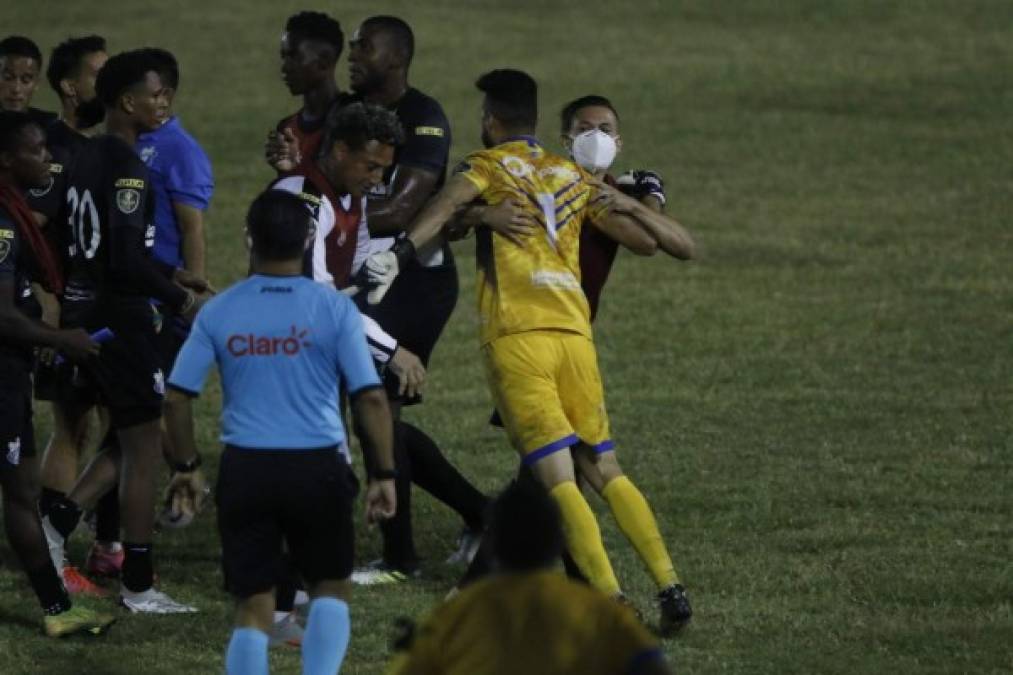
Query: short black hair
[[358, 123], [65, 60], [317, 26], [123, 71], [278, 223], [569, 110], [19, 45], [400, 32], [168, 66], [511, 97], [12, 123], [525, 528]]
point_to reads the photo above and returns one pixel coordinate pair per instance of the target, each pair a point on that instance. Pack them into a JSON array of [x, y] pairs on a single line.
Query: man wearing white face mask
[[590, 131]]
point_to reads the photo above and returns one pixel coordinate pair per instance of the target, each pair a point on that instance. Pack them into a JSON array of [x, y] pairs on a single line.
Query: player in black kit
[[420, 303], [111, 278], [25, 258]]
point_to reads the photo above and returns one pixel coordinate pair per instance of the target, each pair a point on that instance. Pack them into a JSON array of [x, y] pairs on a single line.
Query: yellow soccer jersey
[[538, 623], [534, 286]]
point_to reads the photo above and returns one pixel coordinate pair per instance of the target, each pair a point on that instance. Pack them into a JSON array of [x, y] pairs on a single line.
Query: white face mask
[[594, 150]]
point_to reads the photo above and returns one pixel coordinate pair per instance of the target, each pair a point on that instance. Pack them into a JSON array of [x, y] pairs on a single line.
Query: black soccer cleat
[[675, 610]]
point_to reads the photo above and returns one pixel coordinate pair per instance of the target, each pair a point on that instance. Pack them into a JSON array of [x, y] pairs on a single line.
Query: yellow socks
[[637, 522], [583, 538]]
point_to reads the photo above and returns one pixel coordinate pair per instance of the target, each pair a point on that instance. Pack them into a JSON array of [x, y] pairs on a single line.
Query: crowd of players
[[102, 235]]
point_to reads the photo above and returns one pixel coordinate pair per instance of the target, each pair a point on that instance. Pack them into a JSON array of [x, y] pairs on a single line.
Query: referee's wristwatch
[[187, 467]]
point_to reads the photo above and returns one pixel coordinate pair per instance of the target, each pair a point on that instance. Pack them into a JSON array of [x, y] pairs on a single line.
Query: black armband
[[383, 474], [187, 467]]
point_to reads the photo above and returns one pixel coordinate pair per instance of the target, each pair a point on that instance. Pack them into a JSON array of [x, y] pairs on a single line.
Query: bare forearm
[[672, 237], [18, 328], [385, 218], [178, 412], [430, 222], [373, 416], [191, 230]]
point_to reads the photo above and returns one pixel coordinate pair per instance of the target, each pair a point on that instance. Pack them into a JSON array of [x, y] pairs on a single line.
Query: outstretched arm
[[427, 225], [627, 213]]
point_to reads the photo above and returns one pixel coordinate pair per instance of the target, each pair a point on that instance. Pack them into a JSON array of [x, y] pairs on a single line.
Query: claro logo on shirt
[[262, 345]]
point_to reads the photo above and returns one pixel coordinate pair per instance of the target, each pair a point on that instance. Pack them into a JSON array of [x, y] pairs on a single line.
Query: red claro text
[[262, 345]]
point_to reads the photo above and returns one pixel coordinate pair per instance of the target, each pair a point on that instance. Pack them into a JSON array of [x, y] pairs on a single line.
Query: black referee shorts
[[303, 498], [17, 437], [415, 310]]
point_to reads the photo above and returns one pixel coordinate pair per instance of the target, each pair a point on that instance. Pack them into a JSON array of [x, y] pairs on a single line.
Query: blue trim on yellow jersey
[[603, 447], [641, 659], [530, 140], [547, 450]]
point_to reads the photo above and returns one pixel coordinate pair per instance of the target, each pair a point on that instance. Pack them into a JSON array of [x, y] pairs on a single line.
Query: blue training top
[[282, 345], [180, 172]]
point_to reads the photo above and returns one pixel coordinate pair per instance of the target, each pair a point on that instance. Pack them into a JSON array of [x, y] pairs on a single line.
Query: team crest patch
[[5, 249], [516, 166], [128, 200], [14, 452]]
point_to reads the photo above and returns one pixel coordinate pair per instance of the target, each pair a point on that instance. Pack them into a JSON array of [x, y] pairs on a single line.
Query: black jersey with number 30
[[108, 195]]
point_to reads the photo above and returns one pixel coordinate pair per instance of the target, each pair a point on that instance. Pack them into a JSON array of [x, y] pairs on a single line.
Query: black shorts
[[127, 375], [63, 383], [415, 309], [17, 437], [303, 498]]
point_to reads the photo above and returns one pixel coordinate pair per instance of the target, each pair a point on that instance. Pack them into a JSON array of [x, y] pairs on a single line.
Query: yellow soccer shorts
[[548, 392]]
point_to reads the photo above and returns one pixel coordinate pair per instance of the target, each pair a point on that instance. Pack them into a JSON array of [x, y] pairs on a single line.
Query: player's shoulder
[[417, 107]]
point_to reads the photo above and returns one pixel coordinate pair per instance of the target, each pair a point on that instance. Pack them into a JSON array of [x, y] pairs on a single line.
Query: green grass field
[[818, 408]]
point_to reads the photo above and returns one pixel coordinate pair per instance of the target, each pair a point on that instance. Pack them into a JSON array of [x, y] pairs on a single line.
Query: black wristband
[[187, 467], [384, 474], [404, 250]]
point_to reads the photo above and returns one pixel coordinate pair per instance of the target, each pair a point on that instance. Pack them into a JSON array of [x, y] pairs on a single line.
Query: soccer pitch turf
[[818, 408]]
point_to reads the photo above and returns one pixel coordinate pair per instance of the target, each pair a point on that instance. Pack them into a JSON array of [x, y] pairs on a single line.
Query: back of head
[[569, 111], [168, 66], [121, 73], [318, 27], [525, 528], [278, 224], [511, 96], [12, 123], [19, 45], [398, 32], [358, 123], [65, 61]]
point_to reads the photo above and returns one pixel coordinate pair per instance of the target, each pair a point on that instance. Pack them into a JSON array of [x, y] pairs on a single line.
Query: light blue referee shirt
[[283, 345]]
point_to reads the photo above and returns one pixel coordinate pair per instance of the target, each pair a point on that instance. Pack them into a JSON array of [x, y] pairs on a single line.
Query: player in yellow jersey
[[535, 331], [528, 618]]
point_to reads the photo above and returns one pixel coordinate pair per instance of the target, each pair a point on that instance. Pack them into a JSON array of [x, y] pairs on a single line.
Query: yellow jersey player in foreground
[[528, 618], [535, 330]]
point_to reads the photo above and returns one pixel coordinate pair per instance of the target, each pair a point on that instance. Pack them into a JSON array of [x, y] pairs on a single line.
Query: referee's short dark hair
[[358, 123], [525, 528], [569, 110], [19, 45], [278, 223], [65, 60], [400, 33], [319, 27], [123, 72], [511, 97]]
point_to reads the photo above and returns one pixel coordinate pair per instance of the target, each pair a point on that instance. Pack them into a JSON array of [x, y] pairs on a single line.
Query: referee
[[284, 345]]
